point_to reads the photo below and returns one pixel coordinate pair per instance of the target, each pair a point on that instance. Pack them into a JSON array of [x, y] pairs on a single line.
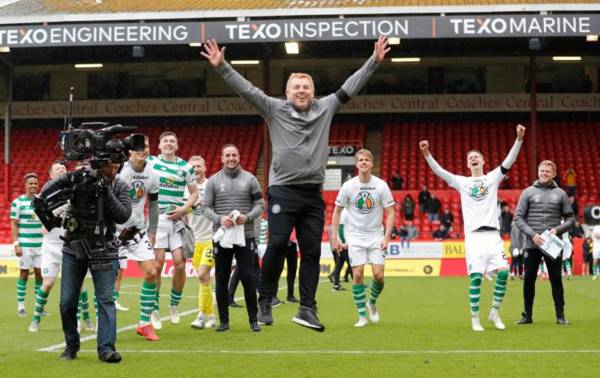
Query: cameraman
[[82, 228]]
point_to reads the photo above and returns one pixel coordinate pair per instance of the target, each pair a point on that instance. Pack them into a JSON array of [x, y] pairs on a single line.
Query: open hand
[[212, 53]]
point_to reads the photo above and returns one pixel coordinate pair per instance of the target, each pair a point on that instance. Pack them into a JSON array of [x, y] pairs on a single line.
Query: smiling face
[[364, 163], [31, 185], [546, 173], [300, 91], [230, 157], [199, 167], [475, 162], [168, 145]]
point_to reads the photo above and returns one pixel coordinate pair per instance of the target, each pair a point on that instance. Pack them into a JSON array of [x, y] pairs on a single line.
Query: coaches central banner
[[312, 29]]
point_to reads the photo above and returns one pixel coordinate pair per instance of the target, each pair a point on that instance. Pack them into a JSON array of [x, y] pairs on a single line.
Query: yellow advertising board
[[9, 268], [395, 267], [456, 249]]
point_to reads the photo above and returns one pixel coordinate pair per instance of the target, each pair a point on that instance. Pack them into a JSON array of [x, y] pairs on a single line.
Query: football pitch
[[424, 331]]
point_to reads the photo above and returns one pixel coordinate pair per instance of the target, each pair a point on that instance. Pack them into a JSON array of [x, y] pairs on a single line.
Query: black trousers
[[516, 265], [235, 278], [342, 258], [303, 209], [291, 259], [533, 258], [245, 257]]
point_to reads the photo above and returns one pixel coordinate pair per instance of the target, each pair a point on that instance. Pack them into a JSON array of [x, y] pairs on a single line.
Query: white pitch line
[[350, 352], [56, 347]]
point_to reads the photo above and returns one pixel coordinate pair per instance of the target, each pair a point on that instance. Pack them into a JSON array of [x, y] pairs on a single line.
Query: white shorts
[[596, 251], [567, 252], [485, 252], [365, 249], [138, 249], [167, 234], [51, 258], [31, 258]]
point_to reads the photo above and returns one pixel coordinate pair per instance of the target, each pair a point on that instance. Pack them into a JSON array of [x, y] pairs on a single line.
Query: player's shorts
[[365, 249], [596, 251], [485, 252], [31, 258], [203, 254], [138, 249], [167, 234], [51, 258]]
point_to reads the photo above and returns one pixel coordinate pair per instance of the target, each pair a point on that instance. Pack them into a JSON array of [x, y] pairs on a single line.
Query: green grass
[[424, 331]]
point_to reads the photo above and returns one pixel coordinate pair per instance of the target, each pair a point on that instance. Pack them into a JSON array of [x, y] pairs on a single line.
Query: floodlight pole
[[7, 125], [533, 115]]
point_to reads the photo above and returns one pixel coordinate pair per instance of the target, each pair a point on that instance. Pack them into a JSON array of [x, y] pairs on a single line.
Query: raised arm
[[357, 81], [433, 164], [254, 96], [514, 151]]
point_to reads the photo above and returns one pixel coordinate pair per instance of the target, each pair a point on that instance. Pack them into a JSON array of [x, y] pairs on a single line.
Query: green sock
[[596, 269], [38, 284], [21, 290], [157, 301], [358, 293], [41, 298], [147, 301], [567, 264], [500, 288], [115, 295], [175, 297], [475, 292], [376, 289], [85, 304]]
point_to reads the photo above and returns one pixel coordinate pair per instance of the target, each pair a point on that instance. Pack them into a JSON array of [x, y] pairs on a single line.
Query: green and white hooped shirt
[[30, 227], [173, 176]]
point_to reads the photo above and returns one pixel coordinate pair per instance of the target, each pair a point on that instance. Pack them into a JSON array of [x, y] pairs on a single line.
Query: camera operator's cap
[[30, 175]]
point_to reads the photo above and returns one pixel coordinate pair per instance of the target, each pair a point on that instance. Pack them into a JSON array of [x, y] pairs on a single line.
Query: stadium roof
[[42, 11]]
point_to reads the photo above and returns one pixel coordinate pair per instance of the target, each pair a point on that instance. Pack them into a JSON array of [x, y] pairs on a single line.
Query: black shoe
[[265, 317], [223, 327], [254, 327], [234, 304], [562, 321], [307, 317], [275, 302], [525, 319], [111, 357], [292, 299], [68, 355], [338, 288]]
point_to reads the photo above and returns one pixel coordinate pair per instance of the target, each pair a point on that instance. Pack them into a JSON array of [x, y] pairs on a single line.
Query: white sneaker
[[211, 321], [594, 277], [120, 307], [373, 314], [88, 325], [21, 310], [34, 326], [495, 318], [45, 314], [362, 321], [173, 315], [476, 324], [155, 319], [198, 323]]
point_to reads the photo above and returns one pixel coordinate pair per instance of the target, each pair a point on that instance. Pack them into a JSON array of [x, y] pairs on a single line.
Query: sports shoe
[[562, 321], [120, 307], [155, 319], [265, 316], [68, 354], [173, 315], [254, 327], [594, 277], [21, 312], [495, 318], [338, 288], [34, 326], [292, 299], [211, 321], [275, 302], [570, 277], [111, 357], [476, 324], [362, 321], [223, 327], [198, 323], [525, 319], [373, 314], [45, 314], [234, 304], [88, 325], [147, 331], [307, 317]]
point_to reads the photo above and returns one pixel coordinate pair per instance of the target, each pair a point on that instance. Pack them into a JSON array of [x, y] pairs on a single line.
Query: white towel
[[229, 237]]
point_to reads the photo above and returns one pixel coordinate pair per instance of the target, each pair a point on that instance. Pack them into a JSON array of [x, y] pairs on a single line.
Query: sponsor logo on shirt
[[137, 191], [479, 191]]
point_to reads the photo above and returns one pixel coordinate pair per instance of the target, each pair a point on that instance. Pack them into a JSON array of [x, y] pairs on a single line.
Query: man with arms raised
[[483, 245]]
